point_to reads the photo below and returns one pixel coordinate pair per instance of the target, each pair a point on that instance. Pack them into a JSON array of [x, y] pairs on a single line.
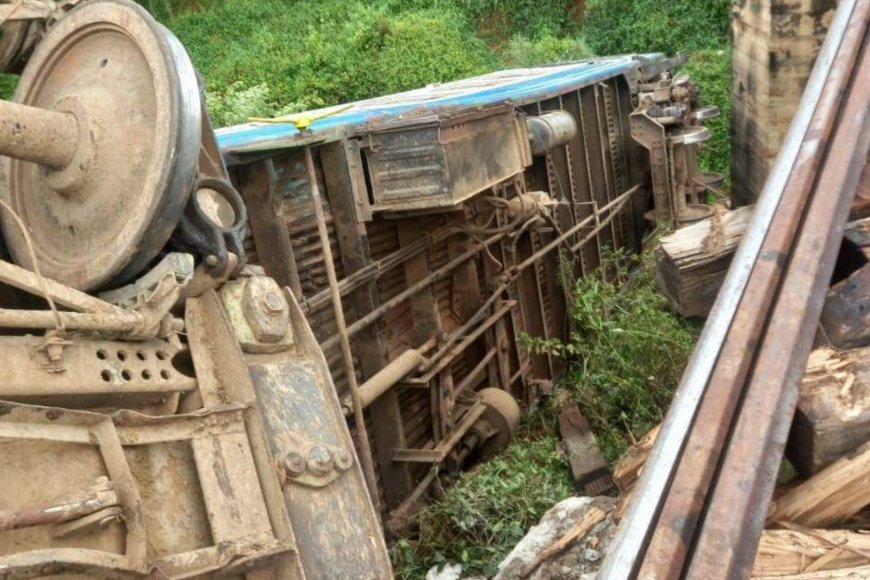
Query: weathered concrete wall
[[775, 43]]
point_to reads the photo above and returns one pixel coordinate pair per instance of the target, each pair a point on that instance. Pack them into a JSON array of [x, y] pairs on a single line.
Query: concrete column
[[775, 43]]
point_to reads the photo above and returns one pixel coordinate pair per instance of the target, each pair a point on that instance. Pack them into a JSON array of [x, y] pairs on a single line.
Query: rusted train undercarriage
[[216, 345]]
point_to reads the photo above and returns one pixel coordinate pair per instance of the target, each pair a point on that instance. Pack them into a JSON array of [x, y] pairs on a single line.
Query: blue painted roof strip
[[519, 86]]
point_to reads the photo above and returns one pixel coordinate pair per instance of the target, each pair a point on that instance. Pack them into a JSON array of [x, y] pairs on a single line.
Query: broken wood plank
[[859, 573], [627, 470], [833, 410], [588, 467], [590, 519], [694, 260], [833, 495], [783, 552], [845, 318]]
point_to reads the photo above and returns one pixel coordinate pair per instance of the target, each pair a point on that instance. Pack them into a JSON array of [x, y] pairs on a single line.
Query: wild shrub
[[626, 351], [485, 512], [710, 69], [524, 52]]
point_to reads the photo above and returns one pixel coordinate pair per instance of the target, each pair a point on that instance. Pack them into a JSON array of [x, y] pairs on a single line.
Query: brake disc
[[131, 86]]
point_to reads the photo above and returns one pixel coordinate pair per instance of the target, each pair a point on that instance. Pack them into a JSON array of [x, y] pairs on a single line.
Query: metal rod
[[474, 375], [576, 228], [400, 517], [451, 355], [376, 270], [461, 331], [123, 321], [629, 546], [63, 295], [410, 291], [338, 309], [385, 379], [38, 135], [448, 268]]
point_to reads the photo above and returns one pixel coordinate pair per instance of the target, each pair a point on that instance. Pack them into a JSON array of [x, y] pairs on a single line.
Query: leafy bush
[[524, 52], [627, 352], [313, 54], [710, 69], [498, 20], [238, 104], [622, 26], [485, 512]]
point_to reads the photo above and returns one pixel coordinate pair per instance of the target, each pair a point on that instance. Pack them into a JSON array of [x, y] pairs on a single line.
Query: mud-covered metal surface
[[438, 264], [334, 321]]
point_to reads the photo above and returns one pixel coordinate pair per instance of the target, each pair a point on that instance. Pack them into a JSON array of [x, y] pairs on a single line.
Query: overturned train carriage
[[244, 353], [455, 214]]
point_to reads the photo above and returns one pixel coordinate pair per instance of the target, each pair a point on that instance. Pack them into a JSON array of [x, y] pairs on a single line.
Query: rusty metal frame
[[347, 193], [468, 296]]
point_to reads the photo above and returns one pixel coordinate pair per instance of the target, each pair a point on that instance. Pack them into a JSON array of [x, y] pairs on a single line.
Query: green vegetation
[[627, 354], [485, 512], [710, 68], [7, 85], [627, 351]]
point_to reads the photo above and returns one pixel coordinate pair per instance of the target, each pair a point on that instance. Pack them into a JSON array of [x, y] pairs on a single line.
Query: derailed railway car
[[243, 353], [456, 216]]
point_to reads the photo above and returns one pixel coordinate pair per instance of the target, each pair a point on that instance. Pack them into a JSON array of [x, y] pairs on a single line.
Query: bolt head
[[273, 303], [294, 464], [343, 460], [320, 460]]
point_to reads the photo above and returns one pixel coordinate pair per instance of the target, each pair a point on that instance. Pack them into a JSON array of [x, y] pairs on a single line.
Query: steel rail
[[739, 503], [682, 509], [634, 533]]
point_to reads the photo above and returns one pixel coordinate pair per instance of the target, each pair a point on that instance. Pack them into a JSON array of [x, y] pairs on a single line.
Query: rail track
[[700, 506]]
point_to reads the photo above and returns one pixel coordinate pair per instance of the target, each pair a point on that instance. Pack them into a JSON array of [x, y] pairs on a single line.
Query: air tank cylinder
[[550, 130]]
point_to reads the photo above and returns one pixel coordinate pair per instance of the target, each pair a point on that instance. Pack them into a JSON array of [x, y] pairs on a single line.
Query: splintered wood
[[628, 469], [784, 552], [830, 497], [818, 527], [694, 260], [833, 410]]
